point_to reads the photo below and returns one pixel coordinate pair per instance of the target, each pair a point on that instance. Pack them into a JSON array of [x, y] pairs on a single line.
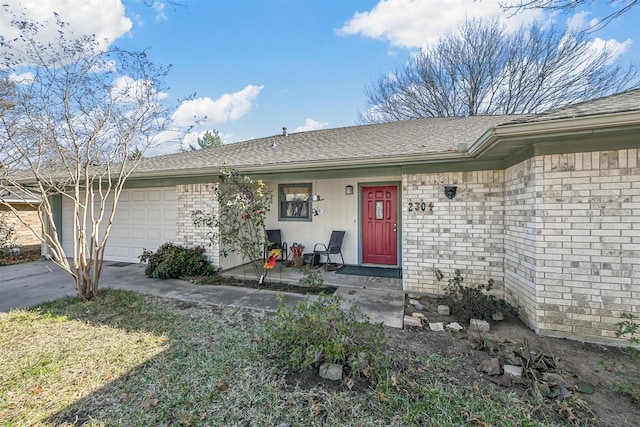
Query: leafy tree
[[482, 69], [210, 139], [240, 225], [620, 7], [75, 119]]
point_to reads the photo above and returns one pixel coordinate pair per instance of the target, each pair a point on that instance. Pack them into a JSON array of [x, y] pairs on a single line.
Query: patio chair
[[333, 248], [274, 241]]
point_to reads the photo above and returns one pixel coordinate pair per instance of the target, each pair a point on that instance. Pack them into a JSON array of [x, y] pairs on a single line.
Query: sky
[[256, 66]]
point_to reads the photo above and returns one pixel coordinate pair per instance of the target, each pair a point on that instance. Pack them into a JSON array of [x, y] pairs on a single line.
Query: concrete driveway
[[29, 284]]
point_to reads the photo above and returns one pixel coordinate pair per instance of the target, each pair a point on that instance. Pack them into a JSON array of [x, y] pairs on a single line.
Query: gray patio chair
[[333, 248]]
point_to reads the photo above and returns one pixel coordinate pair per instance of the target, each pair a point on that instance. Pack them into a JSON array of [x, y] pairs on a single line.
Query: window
[[294, 202]]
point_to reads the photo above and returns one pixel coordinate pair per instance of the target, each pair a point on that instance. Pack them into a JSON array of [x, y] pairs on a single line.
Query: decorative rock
[[413, 296], [504, 380], [454, 326], [436, 326], [556, 379], [411, 321], [513, 359], [490, 366], [498, 316], [444, 310], [479, 325], [331, 371], [419, 316], [514, 371], [417, 305]]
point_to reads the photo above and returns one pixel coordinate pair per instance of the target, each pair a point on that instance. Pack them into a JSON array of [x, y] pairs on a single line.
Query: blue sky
[[258, 65]]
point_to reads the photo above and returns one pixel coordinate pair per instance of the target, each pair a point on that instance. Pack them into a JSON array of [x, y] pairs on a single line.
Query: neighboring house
[[547, 205], [27, 234]]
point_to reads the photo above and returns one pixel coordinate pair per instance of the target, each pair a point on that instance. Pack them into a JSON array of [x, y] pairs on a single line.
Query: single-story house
[[546, 205]]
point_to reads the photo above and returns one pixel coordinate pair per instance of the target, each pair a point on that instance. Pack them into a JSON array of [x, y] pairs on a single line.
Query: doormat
[[359, 270], [120, 264]]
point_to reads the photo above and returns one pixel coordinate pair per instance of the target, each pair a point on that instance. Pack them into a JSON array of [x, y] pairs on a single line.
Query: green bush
[[319, 331], [310, 278], [172, 261], [630, 329], [468, 302]]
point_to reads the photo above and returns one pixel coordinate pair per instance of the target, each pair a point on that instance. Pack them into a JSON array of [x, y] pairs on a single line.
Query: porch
[[381, 299], [283, 274]]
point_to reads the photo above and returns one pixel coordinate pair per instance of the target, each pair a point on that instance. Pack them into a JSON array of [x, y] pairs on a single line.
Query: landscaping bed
[[26, 254], [267, 285], [599, 385]]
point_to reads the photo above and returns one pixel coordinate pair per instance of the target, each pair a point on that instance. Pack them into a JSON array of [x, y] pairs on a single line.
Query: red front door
[[380, 225]]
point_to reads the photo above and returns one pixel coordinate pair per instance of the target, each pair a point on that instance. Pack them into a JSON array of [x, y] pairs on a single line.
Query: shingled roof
[[618, 103], [366, 144], [385, 144]]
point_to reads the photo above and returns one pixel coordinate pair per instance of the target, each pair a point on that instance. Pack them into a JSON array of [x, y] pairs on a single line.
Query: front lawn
[[136, 360]]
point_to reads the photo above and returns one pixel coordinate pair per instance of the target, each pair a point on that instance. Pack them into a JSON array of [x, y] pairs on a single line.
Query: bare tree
[[482, 69], [620, 7], [74, 122]]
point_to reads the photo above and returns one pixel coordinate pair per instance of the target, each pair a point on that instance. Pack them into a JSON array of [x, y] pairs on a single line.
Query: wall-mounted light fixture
[[348, 190], [450, 191], [316, 198]]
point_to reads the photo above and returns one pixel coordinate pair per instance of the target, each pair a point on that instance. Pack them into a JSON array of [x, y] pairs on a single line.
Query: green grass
[[135, 360]]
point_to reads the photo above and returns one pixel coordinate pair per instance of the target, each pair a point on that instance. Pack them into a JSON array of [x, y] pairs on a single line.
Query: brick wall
[[588, 205], [520, 239], [560, 235], [190, 198], [465, 233], [24, 236]]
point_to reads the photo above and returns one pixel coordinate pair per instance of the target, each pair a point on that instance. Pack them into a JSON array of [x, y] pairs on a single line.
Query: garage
[[145, 218]]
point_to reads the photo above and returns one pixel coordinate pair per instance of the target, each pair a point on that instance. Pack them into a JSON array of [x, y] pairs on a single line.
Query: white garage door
[[145, 218]]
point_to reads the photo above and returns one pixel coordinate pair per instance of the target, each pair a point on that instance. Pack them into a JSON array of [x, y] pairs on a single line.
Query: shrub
[[630, 328], [310, 277], [172, 261], [468, 302], [7, 236], [319, 331]]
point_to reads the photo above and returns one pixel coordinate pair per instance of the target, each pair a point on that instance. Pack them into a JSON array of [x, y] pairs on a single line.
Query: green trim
[[168, 182], [523, 155], [56, 211], [465, 166], [281, 201], [581, 146], [332, 174]]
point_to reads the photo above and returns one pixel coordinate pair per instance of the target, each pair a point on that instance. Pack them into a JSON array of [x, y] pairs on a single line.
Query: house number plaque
[[418, 206]]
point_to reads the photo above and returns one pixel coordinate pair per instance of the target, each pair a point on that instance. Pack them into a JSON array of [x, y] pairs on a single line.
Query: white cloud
[[311, 124], [158, 8], [579, 22], [104, 18], [616, 47], [413, 23], [22, 78], [226, 108], [168, 141]]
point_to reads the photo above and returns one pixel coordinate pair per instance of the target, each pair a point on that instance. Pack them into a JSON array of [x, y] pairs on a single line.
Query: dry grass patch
[[136, 360], [51, 360]]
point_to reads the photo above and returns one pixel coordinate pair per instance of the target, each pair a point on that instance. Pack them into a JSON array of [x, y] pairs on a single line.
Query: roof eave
[[317, 165], [549, 128]]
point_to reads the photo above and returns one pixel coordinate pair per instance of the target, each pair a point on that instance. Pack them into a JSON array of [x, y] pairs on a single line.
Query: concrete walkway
[[25, 285]]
